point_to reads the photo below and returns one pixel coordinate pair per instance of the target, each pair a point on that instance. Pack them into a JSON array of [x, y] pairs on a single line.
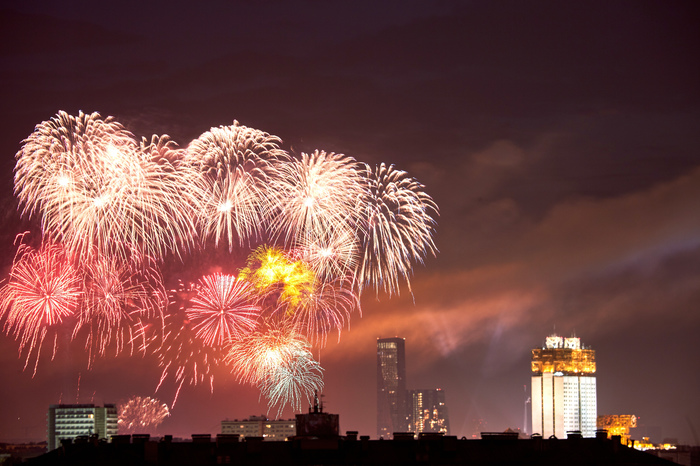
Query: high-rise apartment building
[[71, 421], [427, 411], [563, 388], [391, 387]]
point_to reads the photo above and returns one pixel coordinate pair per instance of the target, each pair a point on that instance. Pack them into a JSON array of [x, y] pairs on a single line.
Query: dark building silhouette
[[316, 424], [427, 450], [392, 415]]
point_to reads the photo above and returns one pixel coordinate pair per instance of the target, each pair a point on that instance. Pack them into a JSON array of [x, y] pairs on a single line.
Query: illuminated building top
[[563, 355]]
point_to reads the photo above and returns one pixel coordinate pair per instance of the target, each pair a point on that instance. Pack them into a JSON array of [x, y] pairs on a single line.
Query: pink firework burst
[[223, 308], [119, 295], [43, 291]]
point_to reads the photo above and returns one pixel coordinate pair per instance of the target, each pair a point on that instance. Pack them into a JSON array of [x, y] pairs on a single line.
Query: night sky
[[559, 140]]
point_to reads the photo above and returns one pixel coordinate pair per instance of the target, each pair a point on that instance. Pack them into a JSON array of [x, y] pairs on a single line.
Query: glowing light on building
[[618, 424], [563, 388]]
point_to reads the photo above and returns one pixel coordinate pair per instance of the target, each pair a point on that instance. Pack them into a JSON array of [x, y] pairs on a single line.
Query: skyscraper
[[391, 386], [71, 421], [563, 388], [427, 411]]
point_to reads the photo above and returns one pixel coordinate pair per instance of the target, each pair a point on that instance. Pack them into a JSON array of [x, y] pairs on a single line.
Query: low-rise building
[[260, 426]]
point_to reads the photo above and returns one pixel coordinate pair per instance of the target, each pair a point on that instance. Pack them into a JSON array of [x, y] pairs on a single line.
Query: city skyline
[[558, 140]]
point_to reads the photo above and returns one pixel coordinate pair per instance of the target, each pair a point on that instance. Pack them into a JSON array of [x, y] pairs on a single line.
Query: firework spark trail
[[43, 291], [399, 225], [223, 308], [317, 195], [180, 353], [235, 165], [118, 296], [95, 189], [140, 413]]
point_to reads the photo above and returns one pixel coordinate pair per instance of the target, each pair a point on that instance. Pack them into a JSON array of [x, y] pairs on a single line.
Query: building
[[71, 421], [391, 387], [618, 425], [563, 388], [316, 424], [427, 450], [427, 411], [260, 426]]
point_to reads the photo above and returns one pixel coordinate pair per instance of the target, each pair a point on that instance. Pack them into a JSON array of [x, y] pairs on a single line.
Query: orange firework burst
[[140, 414], [279, 362]]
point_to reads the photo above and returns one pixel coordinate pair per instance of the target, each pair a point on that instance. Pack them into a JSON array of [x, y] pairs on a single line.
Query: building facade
[[71, 421], [260, 426], [392, 414], [427, 411], [563, 388]]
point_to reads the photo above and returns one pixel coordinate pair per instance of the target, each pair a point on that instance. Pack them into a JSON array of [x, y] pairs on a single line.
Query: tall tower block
[[563, 388], [391, 387]]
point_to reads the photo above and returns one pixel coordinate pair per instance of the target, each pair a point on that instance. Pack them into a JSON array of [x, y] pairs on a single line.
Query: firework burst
[[279, 362], [326, 308], [96, 191], [272, 271], [118, 296], [223, 308], [331, 255], [235, 164], [43, 291], [140, 414], [317, 195], [399, 226]]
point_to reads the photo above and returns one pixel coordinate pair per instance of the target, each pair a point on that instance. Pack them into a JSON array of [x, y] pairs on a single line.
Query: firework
[[326, 308], [317, 195], [330, 255], [43, 291], [235, 163], [118, 296], [114, 210], [279, 362], [293, 382], [223, 308], [399, 228], [180, 353], [97, 191], [271, 270], [139, 414]]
